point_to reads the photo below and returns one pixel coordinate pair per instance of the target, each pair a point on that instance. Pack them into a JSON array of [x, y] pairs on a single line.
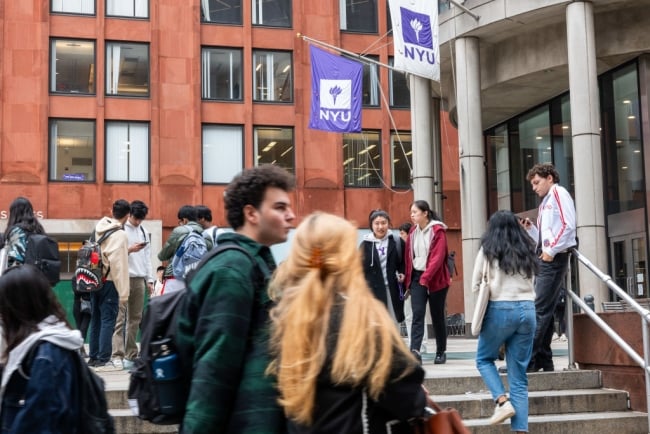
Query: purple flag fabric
[[336, 92]]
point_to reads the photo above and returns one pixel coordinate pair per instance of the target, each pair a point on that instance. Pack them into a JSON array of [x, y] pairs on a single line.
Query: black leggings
[[419, 297], [82, 319]]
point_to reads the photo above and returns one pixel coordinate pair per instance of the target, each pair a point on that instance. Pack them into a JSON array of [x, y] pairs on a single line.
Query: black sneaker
[[441, 359], [417, 356], [92, 362]]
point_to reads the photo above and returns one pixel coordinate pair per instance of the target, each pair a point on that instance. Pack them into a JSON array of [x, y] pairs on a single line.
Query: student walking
[[510, 315]]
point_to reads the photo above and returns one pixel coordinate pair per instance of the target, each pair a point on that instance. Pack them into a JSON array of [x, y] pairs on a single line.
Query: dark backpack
[[88, 275], [93, 408], [188, 254], [43, 252], [158, 336]]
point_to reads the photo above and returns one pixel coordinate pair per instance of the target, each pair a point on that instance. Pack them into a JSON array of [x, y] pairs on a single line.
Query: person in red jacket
[[427, 276]]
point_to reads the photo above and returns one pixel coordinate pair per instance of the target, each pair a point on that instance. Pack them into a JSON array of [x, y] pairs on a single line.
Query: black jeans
[[82, 319], [548, 282], [419, 297]]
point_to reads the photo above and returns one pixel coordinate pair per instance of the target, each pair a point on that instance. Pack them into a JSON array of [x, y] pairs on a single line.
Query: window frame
[[52, 176], [242, 156], [343, 14], [254, 9], [408, 155], [107, 64], [92, 14], [107, 124], [52, 73], [204, 68], [206, 3], [391, 86], [257, 67], [130, 17], [292, 148], [346, 160]]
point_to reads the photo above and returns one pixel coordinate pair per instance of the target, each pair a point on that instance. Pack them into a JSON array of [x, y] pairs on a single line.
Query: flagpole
[[347, 53], [464, 9]]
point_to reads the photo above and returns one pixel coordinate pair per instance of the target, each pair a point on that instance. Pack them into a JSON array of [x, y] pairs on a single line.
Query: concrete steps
[[563, 402]]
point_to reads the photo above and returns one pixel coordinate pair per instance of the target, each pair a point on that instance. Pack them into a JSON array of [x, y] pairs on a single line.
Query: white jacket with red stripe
[[556, 222]]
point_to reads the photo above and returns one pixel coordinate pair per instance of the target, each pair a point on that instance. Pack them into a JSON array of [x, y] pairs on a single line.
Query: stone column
[[585, 131], [473, 175], [421, 136]]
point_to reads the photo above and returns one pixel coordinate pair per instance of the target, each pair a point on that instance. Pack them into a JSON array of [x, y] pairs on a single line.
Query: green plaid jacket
[[224, 323]]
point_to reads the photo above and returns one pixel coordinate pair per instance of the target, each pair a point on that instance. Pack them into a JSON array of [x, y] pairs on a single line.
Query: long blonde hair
[[323, 262]]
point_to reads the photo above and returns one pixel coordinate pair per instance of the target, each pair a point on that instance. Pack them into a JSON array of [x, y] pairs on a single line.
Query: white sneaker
[[111, 365], [555, 337], [127, 364], [502, 412]]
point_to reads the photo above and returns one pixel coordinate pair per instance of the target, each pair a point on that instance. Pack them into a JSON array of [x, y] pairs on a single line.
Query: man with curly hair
[[224, 321]]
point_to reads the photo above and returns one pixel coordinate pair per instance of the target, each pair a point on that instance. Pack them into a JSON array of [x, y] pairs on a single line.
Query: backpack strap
[[144, 234], [101, 239]]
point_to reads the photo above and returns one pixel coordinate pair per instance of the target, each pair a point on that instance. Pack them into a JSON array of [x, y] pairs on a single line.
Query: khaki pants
[[124, 345]]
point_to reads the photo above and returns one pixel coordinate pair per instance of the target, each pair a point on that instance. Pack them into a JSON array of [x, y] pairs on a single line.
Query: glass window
[[498, 157], [402, 155], [562, 141], [127, 8], [221, 11], [85, 7], [400, 95], [362, 159], [222, 74], [621, 132], [127, 152], [272, 13], [272, 78], [223, 153], [72, 150], [72, 66], [127, 69], [371, 83], [358, 15], [274, 146]]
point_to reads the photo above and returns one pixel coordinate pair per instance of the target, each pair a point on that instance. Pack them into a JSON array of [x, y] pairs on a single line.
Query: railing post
[[569, 318]]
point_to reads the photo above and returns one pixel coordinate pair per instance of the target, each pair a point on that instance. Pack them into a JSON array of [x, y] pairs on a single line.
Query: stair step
[[619, 422], [481, 405], [557, 380], [126, 422]]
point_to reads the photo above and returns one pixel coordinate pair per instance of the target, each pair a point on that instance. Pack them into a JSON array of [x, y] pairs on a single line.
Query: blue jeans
[[548, 283], [104, 304], [512, 323]]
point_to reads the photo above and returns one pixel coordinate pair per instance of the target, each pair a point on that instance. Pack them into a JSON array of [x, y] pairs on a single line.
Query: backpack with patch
[[158, 329], [93, 415], [89, 275], [43, 252], [189, 254]]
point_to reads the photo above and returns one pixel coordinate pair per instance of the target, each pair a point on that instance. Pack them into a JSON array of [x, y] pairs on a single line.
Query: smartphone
[[144, 243]]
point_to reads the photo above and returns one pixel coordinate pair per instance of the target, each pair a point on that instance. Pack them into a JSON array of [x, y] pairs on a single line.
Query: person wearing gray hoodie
[[383, 264]]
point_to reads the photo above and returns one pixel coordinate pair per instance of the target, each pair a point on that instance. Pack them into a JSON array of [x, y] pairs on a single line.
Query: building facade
[[563, 82], [164, 101]]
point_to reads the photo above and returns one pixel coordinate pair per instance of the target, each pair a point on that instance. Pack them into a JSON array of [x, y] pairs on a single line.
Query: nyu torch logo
[[335, 99], [418, 36]]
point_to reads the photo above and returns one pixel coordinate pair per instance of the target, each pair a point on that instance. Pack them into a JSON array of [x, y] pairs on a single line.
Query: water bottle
[[166, 372]]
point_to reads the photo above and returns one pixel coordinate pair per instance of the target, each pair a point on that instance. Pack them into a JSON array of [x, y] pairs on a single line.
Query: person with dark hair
[[210, 231], [39, 392], [187, 222], [427, 276], [383, 263], [555, 235], [105, 302], [404, 229], [160, 281], [129, 315], [341, 365], [20, 224], [223, 321], [510, 315]]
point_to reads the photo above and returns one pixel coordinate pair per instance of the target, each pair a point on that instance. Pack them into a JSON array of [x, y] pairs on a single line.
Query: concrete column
[[436, 145], [421, 134], [585, 131], [473, 175]]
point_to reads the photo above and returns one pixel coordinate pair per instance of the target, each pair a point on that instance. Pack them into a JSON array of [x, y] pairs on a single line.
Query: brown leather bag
[[441, 421]]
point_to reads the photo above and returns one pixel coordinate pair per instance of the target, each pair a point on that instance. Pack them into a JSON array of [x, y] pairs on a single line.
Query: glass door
[[629, 264]]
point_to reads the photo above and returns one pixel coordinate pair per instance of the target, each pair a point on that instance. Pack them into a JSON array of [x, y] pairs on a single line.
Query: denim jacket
[[42, 398]]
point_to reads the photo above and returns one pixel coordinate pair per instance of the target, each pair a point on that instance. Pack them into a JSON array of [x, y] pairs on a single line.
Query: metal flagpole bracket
[[467, 11]]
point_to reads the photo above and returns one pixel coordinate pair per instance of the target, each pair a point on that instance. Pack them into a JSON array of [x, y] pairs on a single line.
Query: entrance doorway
[[629, 264]]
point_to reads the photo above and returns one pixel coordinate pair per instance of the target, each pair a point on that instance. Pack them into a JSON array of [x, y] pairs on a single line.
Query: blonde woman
[[340, 363]]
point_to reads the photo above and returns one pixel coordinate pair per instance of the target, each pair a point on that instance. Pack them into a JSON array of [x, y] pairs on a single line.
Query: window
[[223, 153], [72, 66], [358, 15], [400, 95], [362, 159], [371, 83], [72, 150], [272, 13], [221, 11], [402, 155], [272, 78], [85, 7], [127, 69], [498, 157], [222, 74], [533, 147], [127, 152], [127, 8], [274, 146]]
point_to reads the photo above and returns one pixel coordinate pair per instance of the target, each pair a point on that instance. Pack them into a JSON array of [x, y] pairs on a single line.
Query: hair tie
[[316, 258]]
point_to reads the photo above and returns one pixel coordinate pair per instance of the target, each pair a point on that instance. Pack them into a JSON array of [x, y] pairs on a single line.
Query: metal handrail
[[643, 362]]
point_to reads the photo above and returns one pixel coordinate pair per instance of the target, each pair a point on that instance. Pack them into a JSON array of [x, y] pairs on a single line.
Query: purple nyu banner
[[335, 92]]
